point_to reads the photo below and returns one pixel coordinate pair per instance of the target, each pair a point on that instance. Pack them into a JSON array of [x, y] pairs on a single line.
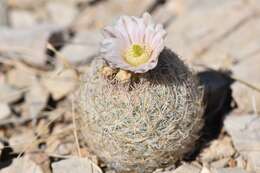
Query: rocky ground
[[219, 39]]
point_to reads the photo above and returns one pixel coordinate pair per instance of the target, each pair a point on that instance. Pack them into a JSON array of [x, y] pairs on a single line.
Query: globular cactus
[[146, 122]]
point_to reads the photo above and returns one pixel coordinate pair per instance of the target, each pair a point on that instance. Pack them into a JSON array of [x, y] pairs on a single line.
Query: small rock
[[220, 163], [27, 44], [168, 11], [187, 168], [3, 13], [9, 94], [229, 170], [20, 142], [60, 84], [22, 165], [5, 111], [68, 13], [232, 163], [247, 98], [205, 169], [36, 99], [65, 149], [75, 165], [218, 149], [241, 163], [1, 148], [90, 19], [254, 161], [42, 159], [83, 48], [21, 18], [20, 77], [25, 4], [244, 131]]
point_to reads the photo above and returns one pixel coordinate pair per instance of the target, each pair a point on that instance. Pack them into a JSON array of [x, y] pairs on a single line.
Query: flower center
[[137, 55], [137, 50]]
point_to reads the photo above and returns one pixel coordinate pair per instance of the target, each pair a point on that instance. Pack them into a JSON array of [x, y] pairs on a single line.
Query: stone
[[23, 141], [244, 131], [60, 84], [187, 168], [75, 165], [247, 99], [68, 13], [22, 165], [96, 17], [9, 94], [237, 44], [25, 4], [167, 12], [253, 161], [22, 18], [220, 163], [83, 48], [65, 148], [5, 111], [36, 99], [229, 170], [3, 13], [199, 34], [241, 163], [218, 149], [42, 159], [27, 44], [205, 169], [20, 77], [1, 148], [248, 70]]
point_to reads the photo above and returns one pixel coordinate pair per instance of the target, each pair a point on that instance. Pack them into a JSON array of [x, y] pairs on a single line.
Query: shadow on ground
[[218, 100]]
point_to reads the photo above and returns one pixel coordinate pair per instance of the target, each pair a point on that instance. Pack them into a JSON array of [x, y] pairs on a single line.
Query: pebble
[[9, 94], [244, 131], [29, 43], [85, 45], [20, 77], [25, 4], [3, 13], [220, 163], [19, 144], [247, 99], [36, 99], [61, 83], [22, 18], [187, 168], [57, 9], [96, 17], [1, 148], [229, 170], [65, 149], [5, 111], [22, 165], [241, 163], [75, 165], [218, 149]]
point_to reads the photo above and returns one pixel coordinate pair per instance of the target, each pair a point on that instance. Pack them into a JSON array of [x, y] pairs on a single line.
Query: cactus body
[[148, 123]]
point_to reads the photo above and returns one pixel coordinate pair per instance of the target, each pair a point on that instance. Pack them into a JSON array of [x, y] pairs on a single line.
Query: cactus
[[149, 122]]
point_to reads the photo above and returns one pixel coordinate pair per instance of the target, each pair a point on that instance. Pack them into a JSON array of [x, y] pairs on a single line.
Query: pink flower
[[133, 43]]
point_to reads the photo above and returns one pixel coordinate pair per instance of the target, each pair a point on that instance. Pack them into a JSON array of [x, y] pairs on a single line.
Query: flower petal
[[128, 33]]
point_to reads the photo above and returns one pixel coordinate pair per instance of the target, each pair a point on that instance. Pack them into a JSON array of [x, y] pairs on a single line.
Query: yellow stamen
[[137, 55]]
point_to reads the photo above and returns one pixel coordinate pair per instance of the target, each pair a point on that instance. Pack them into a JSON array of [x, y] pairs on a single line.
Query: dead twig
[[246, 83], [75, 129]]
